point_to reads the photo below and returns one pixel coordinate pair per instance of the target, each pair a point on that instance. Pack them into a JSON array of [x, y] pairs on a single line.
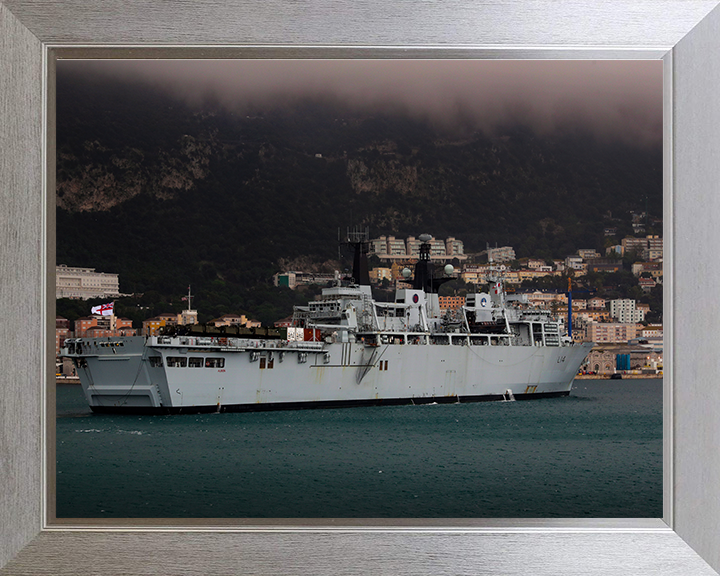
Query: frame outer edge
[[21, 247], [696, 143], [403, 22], [21, 273]]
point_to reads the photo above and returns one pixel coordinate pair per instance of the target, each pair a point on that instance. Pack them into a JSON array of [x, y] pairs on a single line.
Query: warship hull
[[160, 374]]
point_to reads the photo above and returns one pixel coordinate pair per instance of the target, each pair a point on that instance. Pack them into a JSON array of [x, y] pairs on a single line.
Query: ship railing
[[236, 343], [305, 345]]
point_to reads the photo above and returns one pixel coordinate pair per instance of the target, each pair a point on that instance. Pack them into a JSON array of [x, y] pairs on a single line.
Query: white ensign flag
[[104, 309]]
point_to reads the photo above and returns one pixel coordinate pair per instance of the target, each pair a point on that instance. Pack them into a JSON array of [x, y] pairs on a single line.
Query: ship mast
[[189, 299], [495, 277]]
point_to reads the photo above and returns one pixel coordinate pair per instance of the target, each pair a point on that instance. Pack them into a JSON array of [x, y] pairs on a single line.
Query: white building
[[502, 254], [454, 247], [625, 311], [85, 283], [588, 253], [391, 248], [413, 247], [574, 262]]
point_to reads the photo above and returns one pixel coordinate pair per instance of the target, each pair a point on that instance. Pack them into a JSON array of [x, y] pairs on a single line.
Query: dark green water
[[596, 453]]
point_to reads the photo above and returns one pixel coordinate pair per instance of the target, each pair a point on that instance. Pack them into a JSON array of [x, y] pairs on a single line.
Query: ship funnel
[[359, 239]]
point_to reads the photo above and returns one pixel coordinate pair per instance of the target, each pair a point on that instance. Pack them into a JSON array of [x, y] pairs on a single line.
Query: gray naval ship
[[345, 349]]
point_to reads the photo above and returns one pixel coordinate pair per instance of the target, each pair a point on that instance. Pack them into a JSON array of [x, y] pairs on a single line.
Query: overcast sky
[[614, 99]]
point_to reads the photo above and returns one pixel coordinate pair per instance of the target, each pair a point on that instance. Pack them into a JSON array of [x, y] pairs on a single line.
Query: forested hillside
[[167, 194]]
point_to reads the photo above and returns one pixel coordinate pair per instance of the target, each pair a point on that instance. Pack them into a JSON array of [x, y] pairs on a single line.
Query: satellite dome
[[449, 269], [406, 272], [425, 237]]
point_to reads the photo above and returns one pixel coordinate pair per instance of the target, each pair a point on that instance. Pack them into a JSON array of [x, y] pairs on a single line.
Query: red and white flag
[[104, 309]]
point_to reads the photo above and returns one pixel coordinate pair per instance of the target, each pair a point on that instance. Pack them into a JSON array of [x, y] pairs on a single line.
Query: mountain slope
[[167, 194]]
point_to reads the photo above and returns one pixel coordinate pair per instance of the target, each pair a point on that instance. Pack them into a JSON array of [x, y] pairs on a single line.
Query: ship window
[[176, 362], [195, 362], [262, 363], [214, 362], [155, 361]]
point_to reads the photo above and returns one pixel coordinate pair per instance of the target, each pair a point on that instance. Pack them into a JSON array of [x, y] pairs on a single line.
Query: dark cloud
[[615, 99]]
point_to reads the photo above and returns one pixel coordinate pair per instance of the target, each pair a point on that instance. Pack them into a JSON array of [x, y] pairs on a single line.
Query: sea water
[[596, 453]]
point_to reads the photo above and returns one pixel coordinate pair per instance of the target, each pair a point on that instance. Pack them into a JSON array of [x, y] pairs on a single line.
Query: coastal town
[[627, 333]]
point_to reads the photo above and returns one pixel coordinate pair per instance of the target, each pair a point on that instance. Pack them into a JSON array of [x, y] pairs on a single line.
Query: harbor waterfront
[[595, 453]]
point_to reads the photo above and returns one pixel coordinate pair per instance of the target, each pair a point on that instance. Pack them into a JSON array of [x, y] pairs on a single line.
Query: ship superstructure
[[343, 349]]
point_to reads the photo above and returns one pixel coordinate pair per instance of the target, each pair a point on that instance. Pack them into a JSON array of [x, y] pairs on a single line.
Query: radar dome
[[425, 237], [449, 269], [406, 273]]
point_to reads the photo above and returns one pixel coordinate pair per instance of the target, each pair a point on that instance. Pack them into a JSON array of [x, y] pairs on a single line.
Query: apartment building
[[454, 248], [234, 320], [100, 326], [523, 275], [652, 254], [437, 248], [451, 302], [596, 303], [604, 265], [594, 315], [638, 245], [610, 333], [655, 269], [391, 248], [229, 320], [378, 245], [151, 326], [547, 299], [652, 331], [294, 279], [85, 283], [575, 262], [396, 247], [626, 311], [502, 254], [534, 264], [588, 253], [647, 284], [62, 332], [412, 247], [472, 275]]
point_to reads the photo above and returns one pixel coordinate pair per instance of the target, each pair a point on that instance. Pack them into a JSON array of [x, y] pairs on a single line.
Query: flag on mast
[[104, 309]]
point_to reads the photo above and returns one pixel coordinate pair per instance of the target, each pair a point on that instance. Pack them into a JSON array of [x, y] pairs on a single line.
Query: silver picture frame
[[685, 34]]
